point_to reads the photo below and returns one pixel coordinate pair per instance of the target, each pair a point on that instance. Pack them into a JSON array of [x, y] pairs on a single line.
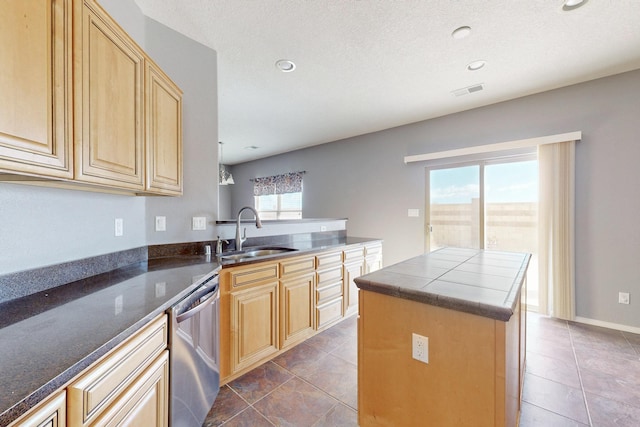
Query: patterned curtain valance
[[279, 184]]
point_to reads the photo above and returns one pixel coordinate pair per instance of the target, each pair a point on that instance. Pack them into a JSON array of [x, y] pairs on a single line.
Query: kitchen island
[[469, 305]]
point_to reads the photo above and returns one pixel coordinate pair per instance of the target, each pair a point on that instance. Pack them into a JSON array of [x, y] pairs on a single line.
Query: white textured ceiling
[[367, 65]]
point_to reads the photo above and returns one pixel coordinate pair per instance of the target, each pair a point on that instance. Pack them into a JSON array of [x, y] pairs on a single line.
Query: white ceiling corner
[[368, 65]]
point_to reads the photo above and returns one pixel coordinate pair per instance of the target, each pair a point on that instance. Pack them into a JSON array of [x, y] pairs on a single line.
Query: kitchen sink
[[251, 253]]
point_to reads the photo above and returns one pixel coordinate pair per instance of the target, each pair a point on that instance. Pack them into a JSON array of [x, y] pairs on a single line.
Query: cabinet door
[[296, 309], [50, 413], [146, 402], [351, 271], [36, 87], [109, 117], [163, 111], [254, 325]]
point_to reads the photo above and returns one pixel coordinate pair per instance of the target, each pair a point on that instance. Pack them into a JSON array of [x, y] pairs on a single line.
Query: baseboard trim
[[608, 325]]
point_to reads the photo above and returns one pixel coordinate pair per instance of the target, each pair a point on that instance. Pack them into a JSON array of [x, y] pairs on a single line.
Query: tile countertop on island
[[482, 282], [49, 337]]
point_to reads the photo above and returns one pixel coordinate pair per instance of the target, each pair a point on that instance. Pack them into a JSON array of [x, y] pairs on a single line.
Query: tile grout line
[[575, 356]]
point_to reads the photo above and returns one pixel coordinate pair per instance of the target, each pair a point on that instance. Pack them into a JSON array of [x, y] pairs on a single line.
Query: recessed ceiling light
[[285, 65], [573, 4], [460, 33], [476, 65], [251, 147]]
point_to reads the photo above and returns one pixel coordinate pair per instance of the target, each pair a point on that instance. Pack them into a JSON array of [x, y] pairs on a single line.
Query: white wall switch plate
[[413, 213], [119, 227], [161, 223], [623, 297], [199, 223], [420, 348]]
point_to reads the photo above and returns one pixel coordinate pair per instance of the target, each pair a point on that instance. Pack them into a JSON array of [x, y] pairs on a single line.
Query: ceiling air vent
[[469, 89]]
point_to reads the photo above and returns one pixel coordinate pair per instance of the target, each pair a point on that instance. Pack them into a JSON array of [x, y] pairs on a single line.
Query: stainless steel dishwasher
[[194, 354]]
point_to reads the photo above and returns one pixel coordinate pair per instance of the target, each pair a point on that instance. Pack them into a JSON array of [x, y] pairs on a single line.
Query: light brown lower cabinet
[[50, 413], [145, 402], [297, 317], [129, 386], [268, 307], [109, 384], [254, 324]]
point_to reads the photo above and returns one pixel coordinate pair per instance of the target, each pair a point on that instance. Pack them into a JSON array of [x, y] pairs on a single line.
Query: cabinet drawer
[[297, 266], [328, 292], [329, 276], [103, 383], [353, 254], [373, 250], [253, 274], [324, 260], [329, 312]]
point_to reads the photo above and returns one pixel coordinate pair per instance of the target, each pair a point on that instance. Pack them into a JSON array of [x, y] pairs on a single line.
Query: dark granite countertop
[[49, 337], [482, 282]]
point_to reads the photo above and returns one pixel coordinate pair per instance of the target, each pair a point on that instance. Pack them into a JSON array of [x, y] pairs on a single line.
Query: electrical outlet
[[420, 348], [623, 297], [161, 223], [119, 227], [323, 228], [199, 223]]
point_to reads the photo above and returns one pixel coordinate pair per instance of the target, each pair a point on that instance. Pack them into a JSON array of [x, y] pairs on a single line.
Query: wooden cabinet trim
[[122, 165], [354, 254], [327, 293], [297, 303], [249, 347], [51, 412], [329, 313], [253, 274], [296, 266], [36, 137], [101, 384], [328, 259], [163, 119], [145, 402], [329, 276]]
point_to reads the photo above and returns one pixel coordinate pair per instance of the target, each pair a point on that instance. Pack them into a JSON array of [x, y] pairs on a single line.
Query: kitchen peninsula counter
[[469, 304]]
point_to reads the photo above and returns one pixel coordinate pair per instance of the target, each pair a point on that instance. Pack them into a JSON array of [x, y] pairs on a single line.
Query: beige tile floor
[[576, 375]]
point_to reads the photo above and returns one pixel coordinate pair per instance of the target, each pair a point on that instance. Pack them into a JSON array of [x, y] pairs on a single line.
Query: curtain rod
[[254, 179]]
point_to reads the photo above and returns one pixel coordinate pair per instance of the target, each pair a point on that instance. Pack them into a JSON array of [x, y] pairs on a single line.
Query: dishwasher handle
[[202, 304]]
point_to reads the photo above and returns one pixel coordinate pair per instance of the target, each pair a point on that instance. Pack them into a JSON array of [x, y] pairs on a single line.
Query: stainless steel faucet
[[241, 239]]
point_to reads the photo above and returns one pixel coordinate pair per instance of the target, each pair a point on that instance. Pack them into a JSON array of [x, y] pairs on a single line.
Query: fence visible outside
[[508, 227]]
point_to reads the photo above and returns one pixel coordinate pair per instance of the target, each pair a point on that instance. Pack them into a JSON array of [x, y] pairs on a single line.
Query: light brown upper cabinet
[[85, 107], [109, 83], [163, 103], [36, 87]]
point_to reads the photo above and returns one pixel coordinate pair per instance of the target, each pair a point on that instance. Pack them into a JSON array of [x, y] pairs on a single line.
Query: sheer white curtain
[[556, 211]]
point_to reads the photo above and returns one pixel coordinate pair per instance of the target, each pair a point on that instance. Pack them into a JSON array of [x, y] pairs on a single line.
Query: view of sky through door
[[508, 220]]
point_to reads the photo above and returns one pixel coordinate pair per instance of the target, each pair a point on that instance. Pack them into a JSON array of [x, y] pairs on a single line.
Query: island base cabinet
[[471, 379]]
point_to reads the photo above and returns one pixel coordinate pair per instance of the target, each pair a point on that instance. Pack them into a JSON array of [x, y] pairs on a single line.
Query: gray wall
[[364, 179], [44, 226]]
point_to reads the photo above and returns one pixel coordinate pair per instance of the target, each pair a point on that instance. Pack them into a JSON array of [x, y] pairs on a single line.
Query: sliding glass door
[[486, 205], [453, 214]]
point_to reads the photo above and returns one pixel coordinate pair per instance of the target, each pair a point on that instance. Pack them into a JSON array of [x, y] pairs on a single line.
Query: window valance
[[278, 184]]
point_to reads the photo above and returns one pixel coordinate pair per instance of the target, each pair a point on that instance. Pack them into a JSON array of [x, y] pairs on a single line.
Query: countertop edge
[[501, 313], [64, 378]]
